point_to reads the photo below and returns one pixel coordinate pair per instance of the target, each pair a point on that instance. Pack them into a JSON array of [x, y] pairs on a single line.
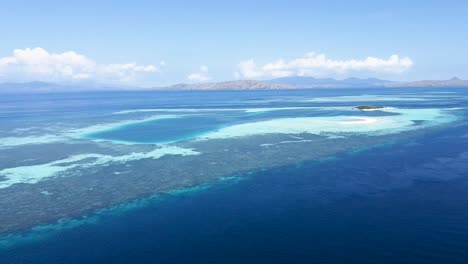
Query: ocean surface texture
[[235, 177]]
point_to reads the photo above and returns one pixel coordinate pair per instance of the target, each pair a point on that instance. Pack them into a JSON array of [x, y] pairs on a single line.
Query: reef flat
[[51, 168]]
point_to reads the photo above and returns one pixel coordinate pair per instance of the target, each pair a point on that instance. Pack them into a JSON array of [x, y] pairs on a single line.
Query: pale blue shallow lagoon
[[235, 177], [159, 131]]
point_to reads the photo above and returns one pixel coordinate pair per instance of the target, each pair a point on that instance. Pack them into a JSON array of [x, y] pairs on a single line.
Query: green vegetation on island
[[369, 107]]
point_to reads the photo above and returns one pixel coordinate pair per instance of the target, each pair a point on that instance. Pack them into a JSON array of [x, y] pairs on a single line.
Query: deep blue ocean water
[[405, 202]]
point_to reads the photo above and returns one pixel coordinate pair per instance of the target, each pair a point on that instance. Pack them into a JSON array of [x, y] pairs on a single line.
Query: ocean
[[235, 177]]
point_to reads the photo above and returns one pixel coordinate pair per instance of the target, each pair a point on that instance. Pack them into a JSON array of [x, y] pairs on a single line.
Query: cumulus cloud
[[40, 65], [125, 72], [313, 64], [200, 76]]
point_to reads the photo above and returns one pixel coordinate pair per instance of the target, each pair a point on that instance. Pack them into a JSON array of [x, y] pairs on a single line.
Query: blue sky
[[157, 43]]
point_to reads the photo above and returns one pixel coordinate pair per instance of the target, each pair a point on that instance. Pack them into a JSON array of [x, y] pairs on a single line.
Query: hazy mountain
[[41, 87], [310, 82], [229, 85], [29, 87], [274, 84], [454, 82], [282, 83]]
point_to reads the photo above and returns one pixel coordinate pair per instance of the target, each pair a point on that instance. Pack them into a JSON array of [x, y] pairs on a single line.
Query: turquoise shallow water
[[160, 131], [386, 198]]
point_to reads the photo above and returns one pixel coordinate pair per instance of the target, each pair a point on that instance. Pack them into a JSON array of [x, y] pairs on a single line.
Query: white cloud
[[201, 75], [38, 64], [313, 64], [125, 72]]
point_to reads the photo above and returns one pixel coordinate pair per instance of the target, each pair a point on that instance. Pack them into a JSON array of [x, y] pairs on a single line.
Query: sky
[[156, 43]]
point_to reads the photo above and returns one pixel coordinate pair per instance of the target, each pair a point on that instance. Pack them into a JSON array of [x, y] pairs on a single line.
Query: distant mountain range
[[310, 82], [282, 83], [55, 87], [454, 82], [274, 84], [229, 85]]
